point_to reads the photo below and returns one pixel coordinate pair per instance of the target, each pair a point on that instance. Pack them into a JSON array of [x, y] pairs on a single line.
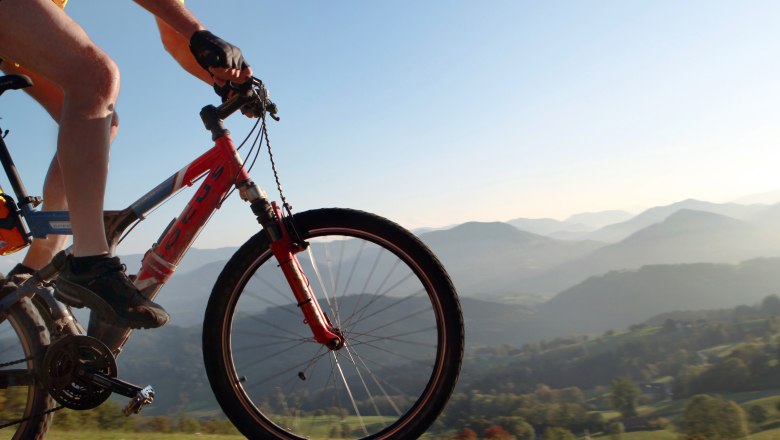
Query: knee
[[94, 84], [114, 125]]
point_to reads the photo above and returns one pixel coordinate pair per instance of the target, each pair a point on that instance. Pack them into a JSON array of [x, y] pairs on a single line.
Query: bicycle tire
[[414, 378], [32, 338]]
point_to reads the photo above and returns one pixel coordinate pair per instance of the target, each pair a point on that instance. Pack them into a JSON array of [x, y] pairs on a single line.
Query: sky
[[434, 113]]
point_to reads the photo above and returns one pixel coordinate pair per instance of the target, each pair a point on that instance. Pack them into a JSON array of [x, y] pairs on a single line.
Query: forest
[[696, 375]]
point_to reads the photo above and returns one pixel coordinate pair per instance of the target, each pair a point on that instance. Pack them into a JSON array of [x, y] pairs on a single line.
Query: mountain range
[[500, 263], [521, 286]]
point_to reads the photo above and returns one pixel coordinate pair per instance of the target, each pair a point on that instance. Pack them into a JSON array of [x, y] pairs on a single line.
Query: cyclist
[[78, 84]]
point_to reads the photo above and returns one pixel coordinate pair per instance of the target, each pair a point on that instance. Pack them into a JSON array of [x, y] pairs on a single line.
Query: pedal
[[143, 398]]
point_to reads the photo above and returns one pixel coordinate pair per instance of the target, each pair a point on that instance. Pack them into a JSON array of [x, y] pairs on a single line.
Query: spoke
[[318, 274], [274, 306], [370, 276], [377, 295], [336, 282], [293, 382], [360, 376], [409, 316], [414, 366], [394, 353], [269, 344], [376, 381], [397, 338], [356, 259], [266, 359], [272, 325], [401, 300], [349, 393], [295, 367], [271, 336], [285, 295]]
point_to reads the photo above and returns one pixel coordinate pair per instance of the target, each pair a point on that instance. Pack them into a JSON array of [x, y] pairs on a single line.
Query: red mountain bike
[[331, 322]]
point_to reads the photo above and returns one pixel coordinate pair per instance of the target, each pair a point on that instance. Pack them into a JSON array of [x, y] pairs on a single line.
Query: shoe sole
[[79, 297]]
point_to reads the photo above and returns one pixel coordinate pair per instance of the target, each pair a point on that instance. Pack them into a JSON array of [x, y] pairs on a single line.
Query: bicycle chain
[[8, 364], [42, 413]]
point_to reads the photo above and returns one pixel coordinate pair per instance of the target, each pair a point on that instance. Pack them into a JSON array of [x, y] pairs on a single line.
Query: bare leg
[[50, 96], [36, 33]]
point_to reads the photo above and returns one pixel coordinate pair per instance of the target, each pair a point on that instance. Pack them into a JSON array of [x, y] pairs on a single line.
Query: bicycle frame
[[221, 168]]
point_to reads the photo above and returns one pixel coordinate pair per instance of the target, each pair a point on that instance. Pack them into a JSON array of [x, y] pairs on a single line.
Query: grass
[[646, 435], [116, 435], [317, 428]]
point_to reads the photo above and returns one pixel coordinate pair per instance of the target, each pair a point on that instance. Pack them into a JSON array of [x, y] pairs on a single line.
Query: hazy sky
[[439, 112]]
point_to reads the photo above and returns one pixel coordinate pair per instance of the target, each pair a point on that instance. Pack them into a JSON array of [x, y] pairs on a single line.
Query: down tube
[[159, 263]]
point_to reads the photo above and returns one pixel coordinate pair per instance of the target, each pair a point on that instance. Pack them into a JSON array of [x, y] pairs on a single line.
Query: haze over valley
[[526, 280]]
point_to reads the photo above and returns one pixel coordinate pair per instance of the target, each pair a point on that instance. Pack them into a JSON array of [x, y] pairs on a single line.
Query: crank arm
[[140, 396]]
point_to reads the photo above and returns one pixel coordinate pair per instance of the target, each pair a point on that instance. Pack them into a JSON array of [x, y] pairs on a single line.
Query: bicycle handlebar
[[251, 98]]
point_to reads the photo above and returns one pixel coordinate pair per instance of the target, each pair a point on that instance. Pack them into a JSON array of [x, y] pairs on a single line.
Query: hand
[[221, 59]]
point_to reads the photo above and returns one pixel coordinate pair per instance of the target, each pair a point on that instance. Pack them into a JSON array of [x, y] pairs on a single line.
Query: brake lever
[[270, 107]]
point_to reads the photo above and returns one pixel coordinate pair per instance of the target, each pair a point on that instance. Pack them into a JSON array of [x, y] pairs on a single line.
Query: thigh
[[40, 36], [48, 94]]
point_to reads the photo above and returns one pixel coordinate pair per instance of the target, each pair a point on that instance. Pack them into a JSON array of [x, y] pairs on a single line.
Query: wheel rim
[[392, 323]]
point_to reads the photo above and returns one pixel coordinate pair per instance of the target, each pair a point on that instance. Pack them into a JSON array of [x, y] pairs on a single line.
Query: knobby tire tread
[[34, 331]]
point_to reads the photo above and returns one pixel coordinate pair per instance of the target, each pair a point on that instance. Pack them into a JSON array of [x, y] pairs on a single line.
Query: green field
[[109, 435]]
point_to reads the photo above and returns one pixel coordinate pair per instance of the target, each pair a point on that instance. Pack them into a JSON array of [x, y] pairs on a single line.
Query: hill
[[686, 236], [622, 298], [619, 231], [486, 260]]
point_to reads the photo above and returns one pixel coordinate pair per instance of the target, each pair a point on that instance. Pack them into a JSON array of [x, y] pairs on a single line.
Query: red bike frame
[[223, 169]]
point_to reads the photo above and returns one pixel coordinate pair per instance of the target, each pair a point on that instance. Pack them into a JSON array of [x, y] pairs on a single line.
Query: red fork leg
[[321, 328]]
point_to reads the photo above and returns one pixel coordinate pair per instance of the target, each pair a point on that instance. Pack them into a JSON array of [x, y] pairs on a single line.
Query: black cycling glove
[[212, 51]]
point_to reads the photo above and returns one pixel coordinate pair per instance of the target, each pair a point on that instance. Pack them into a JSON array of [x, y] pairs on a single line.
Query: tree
[[466, 434], [757, 414], [557, 434], [616, 430], [190, 425], [109, 417], [714, 419], [771, 305], [496, 432], [624, 396], [159, 424]]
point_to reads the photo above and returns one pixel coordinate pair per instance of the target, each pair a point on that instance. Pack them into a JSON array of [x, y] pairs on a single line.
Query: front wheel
[[387, 294]]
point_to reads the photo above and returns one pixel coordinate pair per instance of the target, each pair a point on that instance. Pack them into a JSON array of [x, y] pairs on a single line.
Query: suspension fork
[[285, 247]]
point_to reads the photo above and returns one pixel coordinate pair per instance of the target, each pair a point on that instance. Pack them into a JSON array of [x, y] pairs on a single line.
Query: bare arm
[[177, 26], [175, 14], [179, 47]]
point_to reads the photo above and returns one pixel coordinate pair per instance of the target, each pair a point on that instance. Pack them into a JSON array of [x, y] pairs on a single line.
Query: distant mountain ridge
[[619, 231], [498, 262], [622, 298]]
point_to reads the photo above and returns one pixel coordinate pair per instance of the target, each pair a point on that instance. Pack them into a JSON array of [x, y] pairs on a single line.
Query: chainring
[[63, 365]]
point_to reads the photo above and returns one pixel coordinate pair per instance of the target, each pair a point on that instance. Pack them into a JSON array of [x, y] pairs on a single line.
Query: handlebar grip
[[233, 104]]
